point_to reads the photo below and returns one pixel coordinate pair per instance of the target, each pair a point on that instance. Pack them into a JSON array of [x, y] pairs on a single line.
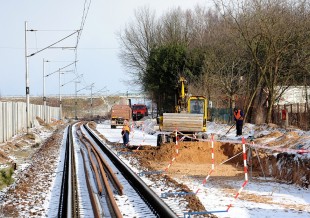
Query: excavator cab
[[198, 105]]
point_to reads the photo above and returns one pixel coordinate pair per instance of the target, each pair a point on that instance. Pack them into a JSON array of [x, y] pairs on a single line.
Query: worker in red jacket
[[238, 115]]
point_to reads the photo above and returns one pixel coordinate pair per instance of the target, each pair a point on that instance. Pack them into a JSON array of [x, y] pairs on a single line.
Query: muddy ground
[[193, 160], [35, 160]]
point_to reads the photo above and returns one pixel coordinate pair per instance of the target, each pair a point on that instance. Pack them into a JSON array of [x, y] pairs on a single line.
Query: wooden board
[[183, 122]]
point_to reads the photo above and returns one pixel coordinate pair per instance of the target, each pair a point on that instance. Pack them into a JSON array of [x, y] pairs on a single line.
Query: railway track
[[68, 201], [146, 201], [97, 183], [106, 182]]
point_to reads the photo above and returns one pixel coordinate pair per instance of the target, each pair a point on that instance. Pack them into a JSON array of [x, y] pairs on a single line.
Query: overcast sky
[[97, 52]]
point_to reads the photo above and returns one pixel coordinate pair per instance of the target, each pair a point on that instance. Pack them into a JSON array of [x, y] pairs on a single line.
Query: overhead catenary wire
[[84, 16], [60, 69], [73, 47], [42, 30], [53, 44], [83, 20], [86, 7]]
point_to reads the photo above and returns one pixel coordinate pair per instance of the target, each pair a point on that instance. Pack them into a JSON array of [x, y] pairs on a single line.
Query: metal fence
[[13, 117], [298, 115], [220, 115]]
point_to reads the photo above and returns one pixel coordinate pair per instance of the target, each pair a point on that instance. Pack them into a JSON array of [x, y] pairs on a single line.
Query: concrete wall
[[13, 117]]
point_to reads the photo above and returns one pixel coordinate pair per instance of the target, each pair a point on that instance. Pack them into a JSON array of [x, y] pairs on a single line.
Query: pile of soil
[[3, 157], [194, 159], [283, 140], [291, 168]]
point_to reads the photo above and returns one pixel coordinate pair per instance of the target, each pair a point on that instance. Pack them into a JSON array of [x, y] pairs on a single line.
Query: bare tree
[[136, 41], [250, 48], [270, 32]]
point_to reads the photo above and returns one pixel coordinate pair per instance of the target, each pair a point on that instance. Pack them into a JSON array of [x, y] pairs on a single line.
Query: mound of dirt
[[286, 140], [266, 138], [190, 152], [194, 159], [3, 157], [274, 134]]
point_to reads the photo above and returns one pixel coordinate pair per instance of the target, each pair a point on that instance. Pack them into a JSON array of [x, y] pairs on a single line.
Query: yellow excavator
[[189, 118]]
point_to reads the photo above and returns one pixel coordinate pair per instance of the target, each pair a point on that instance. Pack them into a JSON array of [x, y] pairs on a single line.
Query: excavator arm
[[182, 96]]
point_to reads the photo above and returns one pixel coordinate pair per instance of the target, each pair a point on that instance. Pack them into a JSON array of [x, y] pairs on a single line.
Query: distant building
[[294, 95]]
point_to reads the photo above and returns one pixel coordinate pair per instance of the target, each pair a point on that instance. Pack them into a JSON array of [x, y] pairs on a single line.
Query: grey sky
[[97, 52]]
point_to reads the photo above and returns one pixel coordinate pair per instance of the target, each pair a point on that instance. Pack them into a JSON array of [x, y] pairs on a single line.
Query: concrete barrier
[[13, 117]]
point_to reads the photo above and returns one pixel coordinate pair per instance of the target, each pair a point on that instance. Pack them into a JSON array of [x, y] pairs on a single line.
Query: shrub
[[6, 177]]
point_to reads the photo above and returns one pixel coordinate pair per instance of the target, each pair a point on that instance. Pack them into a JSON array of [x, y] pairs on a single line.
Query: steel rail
[[95, 205], [75, 194], [110, 172], [69, 178], [106, 185], [63, 198], [156, 204], [113, 205], [95, 170], [68, 199]]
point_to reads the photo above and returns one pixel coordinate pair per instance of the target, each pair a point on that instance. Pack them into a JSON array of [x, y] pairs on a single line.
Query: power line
[[53, 43], [83, 20], [54, 30], [89, 48], [84, 16]]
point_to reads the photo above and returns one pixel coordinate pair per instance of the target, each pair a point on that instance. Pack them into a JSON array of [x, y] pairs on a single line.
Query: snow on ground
[[51, 203], [138, 136], [260, 198], [36, 178]]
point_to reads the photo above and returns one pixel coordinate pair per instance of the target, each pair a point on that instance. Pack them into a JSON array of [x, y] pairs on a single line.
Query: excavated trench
[[194, 159], [285, 167]]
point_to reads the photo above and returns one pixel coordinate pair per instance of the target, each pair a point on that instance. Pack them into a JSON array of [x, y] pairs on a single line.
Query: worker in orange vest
[[238, 115], [125, 133]]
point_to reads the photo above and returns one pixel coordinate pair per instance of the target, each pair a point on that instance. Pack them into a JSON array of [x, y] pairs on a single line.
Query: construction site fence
[[220, 115], [13, 117], [297, 115]]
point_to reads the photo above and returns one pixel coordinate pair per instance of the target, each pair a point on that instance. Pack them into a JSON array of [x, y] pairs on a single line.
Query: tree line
[[237, 53]]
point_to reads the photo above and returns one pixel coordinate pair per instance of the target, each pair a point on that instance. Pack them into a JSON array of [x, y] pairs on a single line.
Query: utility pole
[[27, 81], [44, 98], [76, 82], [91, 97], [60, 72], [27, 71], [91, 100], [60, 104]]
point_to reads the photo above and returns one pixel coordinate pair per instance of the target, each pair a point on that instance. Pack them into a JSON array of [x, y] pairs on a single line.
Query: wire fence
[[297, 115], [220, 115]]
